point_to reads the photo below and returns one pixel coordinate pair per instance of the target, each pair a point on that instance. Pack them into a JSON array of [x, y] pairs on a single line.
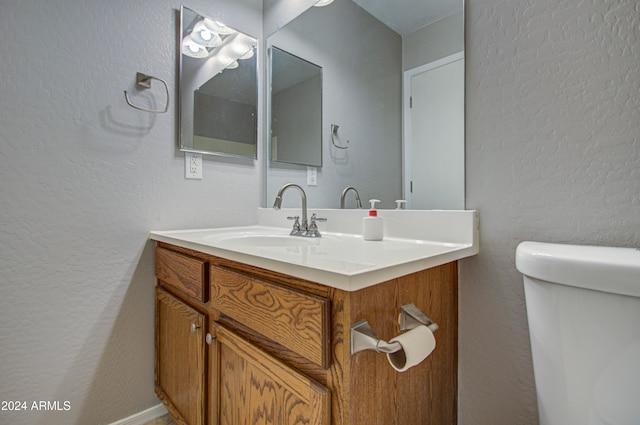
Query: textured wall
[[83, 178], [553, 115], [553, 141]]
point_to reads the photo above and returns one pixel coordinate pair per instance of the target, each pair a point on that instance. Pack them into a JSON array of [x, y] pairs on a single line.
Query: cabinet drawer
[[181, 272], [296, 320]]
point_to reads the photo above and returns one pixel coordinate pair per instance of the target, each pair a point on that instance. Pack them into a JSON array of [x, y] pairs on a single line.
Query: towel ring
[[334, 132], [143, 81]]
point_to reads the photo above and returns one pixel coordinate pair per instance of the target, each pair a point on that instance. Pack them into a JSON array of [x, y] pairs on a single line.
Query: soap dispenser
[[372, 225]]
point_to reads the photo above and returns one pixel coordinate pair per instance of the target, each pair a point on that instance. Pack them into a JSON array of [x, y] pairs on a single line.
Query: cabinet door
[[251, 387], [180, 358]]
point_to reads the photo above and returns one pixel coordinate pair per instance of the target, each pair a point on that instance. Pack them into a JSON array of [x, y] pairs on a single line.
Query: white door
[[434, 135]]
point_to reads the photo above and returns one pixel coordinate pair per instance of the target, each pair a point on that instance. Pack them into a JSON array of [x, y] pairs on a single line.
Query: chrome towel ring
[[334, 133], [143, 81]]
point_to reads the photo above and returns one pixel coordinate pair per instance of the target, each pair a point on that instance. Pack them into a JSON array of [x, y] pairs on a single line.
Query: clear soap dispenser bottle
[[372, 225]]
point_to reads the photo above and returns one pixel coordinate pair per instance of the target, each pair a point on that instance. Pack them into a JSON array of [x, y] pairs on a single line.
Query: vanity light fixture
[[322, 3]]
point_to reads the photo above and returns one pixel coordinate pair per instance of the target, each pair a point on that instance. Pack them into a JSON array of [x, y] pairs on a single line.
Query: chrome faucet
[[344, 195], [300, 229]]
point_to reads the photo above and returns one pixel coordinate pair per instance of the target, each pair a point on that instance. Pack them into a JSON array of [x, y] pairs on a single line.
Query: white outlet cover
[[193, 165], [312, 176]]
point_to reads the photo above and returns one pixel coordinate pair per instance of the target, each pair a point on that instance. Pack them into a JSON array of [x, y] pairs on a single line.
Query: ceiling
[[406, 16]]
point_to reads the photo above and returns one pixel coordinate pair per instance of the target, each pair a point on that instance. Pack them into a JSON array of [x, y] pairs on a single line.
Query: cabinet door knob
[[208, 338], [194, 327]]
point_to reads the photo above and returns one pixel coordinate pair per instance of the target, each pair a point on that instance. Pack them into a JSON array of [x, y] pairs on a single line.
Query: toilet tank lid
[[607, 269]]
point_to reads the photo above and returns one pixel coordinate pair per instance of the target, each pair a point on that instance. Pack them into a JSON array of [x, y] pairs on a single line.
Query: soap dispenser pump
[[372, 225]]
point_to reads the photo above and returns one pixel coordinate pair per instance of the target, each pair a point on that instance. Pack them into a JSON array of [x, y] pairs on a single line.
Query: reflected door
[[436, 136]]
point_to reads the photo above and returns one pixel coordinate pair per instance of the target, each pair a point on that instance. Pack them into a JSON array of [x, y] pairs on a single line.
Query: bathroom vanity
[[242, 338]]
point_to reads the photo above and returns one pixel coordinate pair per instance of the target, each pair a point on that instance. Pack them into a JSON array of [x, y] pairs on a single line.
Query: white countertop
[[341, 260]]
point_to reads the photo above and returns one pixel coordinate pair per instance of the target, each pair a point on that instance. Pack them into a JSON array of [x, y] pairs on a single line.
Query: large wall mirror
[[392, 93], [218, 108]]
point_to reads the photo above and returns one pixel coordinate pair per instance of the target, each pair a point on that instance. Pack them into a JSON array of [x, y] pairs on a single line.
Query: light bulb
[[205, 37], [205, 34], [193, 49]]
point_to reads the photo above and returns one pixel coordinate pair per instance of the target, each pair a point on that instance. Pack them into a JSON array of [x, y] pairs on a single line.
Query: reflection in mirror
[[296, 110], [366, 49], [218, 88]]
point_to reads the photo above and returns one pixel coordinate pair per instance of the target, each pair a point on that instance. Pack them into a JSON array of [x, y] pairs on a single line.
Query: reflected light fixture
[[204, 37], [321, 3], [209, 37], [192, 49], [232, 65], [218, 27], [247, 55]]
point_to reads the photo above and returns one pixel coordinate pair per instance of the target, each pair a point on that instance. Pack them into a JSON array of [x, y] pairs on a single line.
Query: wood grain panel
[[303, 327], [296, 320], [426, 393], [183, 273], [180, 359], [254, 388]]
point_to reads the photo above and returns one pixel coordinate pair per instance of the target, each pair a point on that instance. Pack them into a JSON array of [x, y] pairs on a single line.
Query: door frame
[[406, 117]]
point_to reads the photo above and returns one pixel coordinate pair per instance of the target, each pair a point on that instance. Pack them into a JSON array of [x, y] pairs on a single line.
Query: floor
[[162, 420]]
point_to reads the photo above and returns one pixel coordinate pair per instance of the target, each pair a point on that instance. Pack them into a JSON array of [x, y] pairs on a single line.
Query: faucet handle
[[297, 229], [315, 218], [313, 227], [296, 223]]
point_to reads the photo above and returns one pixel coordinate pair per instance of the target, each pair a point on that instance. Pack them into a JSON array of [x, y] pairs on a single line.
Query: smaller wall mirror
[[218, 88], [296, 110]]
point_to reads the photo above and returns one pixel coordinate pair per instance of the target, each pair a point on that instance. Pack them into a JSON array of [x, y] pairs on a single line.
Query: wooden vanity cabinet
[[180, 348], [280, 347], [180, 358], [251, 387]]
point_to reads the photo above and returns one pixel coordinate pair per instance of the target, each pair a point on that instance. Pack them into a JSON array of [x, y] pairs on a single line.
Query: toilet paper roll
[[416, 344]]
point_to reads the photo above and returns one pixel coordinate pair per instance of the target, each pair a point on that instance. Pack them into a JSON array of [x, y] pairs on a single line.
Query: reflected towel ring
[[143, 81], [334, 133]]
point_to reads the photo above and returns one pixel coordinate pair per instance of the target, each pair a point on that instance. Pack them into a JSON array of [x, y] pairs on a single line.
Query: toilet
[[583, 309]]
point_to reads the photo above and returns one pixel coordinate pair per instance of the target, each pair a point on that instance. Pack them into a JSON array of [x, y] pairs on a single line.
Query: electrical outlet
[[192, 165], [312, 176]]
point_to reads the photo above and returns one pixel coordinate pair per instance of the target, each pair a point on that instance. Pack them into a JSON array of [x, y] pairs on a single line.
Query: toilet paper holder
[[364, 338]]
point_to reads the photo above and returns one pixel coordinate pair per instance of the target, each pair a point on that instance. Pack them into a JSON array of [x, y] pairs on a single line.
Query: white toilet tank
[[583, 307]]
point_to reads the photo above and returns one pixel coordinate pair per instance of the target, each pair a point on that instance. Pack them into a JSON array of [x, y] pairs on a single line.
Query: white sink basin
[[341, 260], [231, 240]]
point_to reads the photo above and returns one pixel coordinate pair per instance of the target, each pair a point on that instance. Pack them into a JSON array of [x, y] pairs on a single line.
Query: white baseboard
[[143, 417]]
